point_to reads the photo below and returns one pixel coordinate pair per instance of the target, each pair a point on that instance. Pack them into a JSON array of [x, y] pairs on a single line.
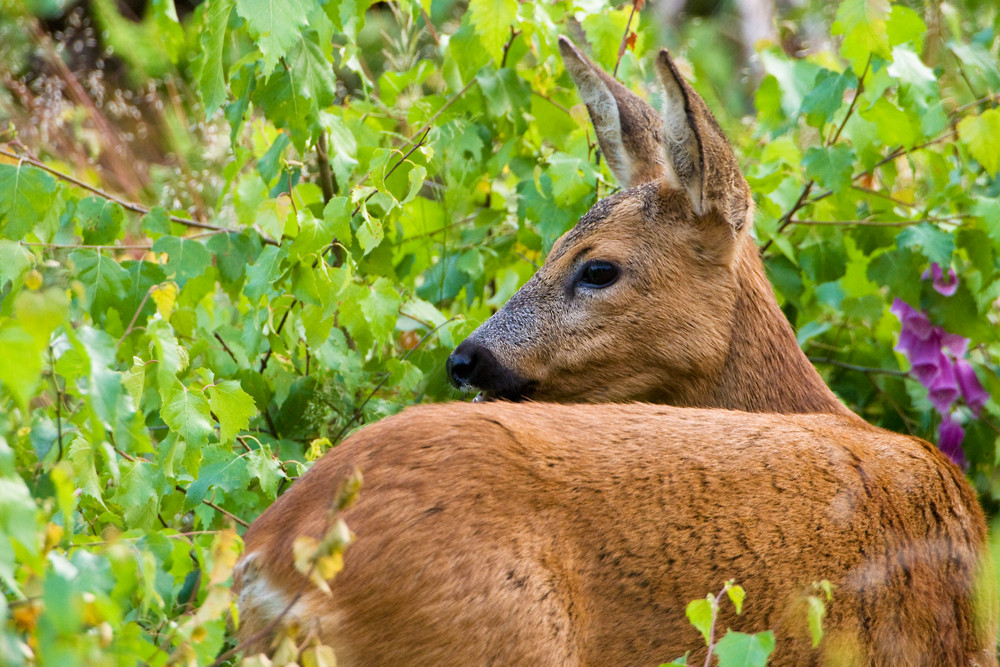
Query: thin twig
[[208, 502], [552, 102], [854, 101], [908, 423], [711, 629], [135, 315], [506, 47], [326, 178], [127, 205], [55, 383], [954, 220], [430, 26], [981, 100], [876, 193], [853, 367], [270, 627], [85, 246], [225, 347], [802, 200], [628, 27]]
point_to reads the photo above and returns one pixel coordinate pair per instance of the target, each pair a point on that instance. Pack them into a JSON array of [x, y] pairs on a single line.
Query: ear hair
[[680, 131], [602, 106]]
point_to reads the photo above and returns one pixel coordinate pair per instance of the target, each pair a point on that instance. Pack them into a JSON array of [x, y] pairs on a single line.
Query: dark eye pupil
[[599, 274]]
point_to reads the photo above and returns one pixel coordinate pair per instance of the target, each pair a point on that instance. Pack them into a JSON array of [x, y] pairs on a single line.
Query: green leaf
[[233, 252], [380, 306], [100, 220], [262, 464], [817, 611], [20, 363], [895, 127], [139, 494], [493, 20], [103, 279], [935, 244], [825, 98], [830, 167], [187, 415], [736, 596], [292, 97], [209, 76], [83, 455], [898, 270], [862, 22], [232, 406], [701, 614], [737, 649], [219, 470], [276, 25], [604, 31], [26, 193], [186, 258], [337, 219], [15, 261], [981, 135], [905, 25], [263, 273]]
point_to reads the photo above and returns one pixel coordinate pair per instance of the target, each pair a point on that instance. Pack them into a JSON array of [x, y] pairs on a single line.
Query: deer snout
[[474, 366], [470, 364]]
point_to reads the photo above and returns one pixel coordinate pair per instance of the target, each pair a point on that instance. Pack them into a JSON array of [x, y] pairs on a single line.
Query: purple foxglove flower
[[956, 344], [911, 318], [926, 358], [950, 436], [945, 286], [944, 390], [972, 391]]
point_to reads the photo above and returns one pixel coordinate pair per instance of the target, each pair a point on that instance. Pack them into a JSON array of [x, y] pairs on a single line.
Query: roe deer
[[546, 534]]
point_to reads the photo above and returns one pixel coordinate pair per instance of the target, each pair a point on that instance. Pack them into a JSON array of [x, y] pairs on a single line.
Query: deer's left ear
[[628, 129], [699, 153]]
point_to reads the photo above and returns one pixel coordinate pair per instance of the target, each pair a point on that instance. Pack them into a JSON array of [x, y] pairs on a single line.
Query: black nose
[[464, 363]]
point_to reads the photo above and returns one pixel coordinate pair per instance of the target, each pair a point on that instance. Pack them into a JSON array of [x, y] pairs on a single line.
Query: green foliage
[[331, 195], [734, 649]]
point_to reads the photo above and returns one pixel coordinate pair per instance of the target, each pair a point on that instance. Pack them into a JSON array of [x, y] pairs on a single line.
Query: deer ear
[[628, 130], [698, 152], [680, 133]]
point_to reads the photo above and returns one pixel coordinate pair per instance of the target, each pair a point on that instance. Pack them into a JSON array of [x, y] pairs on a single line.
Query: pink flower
[[972, 391], [926, 358], [956, 344], [944, 286], [944, 390], [950, 436], [912, 319]]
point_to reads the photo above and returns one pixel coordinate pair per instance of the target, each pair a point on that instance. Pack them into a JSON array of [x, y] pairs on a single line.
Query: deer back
[[537, 534]]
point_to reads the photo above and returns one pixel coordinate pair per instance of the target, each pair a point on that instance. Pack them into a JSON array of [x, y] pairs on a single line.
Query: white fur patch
[[258, 597]]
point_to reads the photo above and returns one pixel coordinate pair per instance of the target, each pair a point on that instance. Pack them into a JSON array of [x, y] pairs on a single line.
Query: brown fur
[[541, 534], [535, 534]]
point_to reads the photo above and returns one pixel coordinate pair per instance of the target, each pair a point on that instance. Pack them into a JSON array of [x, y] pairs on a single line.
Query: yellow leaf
[[318, 656], [33, 280], [165, 296]]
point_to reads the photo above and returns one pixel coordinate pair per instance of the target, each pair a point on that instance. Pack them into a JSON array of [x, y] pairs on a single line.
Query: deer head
[[658, 293]]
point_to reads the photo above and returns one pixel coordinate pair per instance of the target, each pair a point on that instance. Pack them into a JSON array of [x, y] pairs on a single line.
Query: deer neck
[[765, 370]]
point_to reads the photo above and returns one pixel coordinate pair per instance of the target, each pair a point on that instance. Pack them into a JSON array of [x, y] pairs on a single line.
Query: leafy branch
[[127, 205]]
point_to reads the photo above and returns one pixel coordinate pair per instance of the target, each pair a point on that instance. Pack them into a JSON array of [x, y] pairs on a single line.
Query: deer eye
[[597, 273]]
